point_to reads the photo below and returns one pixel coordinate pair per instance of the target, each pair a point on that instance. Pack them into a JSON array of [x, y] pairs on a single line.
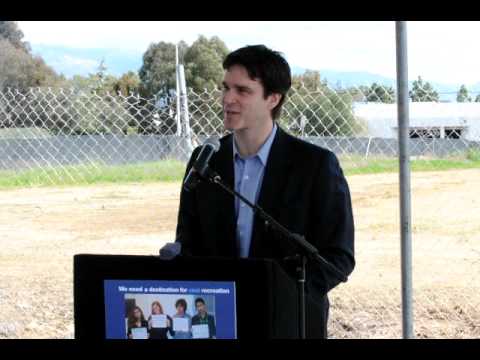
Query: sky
[[445, 52]]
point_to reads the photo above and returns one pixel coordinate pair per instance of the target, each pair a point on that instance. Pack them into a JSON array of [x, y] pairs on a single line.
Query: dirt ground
[[42, 228]]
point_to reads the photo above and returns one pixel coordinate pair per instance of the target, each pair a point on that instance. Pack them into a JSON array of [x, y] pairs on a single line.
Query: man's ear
[[274, 100]]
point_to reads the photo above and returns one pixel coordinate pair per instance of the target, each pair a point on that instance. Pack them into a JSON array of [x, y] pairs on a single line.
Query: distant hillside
[[447, 92], [73, 61]]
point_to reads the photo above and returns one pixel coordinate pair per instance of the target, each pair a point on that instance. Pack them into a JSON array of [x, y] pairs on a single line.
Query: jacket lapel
[[223, 164], [274, 181]]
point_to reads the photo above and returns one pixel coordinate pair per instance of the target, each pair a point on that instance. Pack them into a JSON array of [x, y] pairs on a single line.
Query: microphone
[[170, 251], [200, 166]]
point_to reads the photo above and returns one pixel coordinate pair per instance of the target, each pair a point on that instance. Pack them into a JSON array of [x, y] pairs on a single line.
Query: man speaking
[[299, 184]]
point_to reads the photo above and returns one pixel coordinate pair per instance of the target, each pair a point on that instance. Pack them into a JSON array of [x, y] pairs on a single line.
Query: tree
[[422, 91], [19, 69], [10, 31], [127, 84], [100, 76], [358, 94], [203, 63], [310, 79], [16, 67], [44, 76], [203, 71], [20, 73], [313, 108], [94, 105], [462, 95], [477, 98], [204, 74], [157, 79], [380, 93], [158, 73], [89, 107], [99, 82]]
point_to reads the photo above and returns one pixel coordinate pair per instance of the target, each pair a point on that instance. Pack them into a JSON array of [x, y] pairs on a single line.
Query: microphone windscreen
[[170, 250], [214, 142]]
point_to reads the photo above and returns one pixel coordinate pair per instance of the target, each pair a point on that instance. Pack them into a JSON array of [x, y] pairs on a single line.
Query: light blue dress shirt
[[248, 182]]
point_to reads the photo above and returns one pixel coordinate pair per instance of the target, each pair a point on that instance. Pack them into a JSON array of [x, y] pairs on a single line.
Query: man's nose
[[228, 97]]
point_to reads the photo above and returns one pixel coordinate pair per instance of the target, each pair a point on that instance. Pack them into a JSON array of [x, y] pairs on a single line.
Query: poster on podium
[[153, 309]]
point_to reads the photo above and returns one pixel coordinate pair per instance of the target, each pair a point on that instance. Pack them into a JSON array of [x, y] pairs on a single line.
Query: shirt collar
[[264, 150]]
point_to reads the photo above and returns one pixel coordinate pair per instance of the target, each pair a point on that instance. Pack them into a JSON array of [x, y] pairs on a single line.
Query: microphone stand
[[306, 250]]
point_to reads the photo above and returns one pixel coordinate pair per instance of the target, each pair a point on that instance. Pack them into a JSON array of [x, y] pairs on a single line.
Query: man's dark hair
[[197, 300], [266, 65], [181, 302]]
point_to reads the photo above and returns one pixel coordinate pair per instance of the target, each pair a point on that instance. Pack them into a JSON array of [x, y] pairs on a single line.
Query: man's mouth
[[230, 112]]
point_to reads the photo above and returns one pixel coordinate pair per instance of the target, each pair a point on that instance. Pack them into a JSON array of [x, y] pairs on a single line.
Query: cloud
[[344, 46], [444, 51], [70, 65], [73, 61], [437, 50]]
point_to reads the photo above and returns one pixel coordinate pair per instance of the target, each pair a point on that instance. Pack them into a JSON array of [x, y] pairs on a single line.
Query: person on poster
[[185, 331], [136, 320], [159, 332], [204, 318]]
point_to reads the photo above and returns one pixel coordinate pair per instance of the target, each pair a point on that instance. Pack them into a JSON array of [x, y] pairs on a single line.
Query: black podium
[[265, 296]]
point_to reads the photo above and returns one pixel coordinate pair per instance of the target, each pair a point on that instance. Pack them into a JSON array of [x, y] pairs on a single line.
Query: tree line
[[311, 107]]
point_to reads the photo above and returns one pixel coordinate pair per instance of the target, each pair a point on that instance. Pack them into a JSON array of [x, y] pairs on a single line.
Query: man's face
[[244, 106], [201, 308]]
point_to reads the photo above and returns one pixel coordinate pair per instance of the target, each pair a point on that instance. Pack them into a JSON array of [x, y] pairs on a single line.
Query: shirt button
[[243, 205], [246, 177]]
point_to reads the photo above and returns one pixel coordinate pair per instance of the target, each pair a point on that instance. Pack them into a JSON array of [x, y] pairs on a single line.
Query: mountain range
[[447, 92]]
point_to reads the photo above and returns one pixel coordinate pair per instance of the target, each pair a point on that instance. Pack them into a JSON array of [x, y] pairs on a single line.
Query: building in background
[[428, 120]]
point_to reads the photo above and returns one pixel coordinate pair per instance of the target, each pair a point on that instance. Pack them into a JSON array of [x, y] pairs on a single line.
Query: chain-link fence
[[67, 130], [67, 135]]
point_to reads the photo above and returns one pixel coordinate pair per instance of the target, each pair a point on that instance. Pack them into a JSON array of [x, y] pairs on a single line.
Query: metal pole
[[404, 165], [179, 124], [301, 274], [187, 132]]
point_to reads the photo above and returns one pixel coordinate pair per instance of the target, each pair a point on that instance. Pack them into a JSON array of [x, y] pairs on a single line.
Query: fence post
[[404, 165]]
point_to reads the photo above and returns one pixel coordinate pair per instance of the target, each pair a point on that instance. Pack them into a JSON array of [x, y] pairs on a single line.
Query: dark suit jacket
[[196, 320], [303, 188]]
